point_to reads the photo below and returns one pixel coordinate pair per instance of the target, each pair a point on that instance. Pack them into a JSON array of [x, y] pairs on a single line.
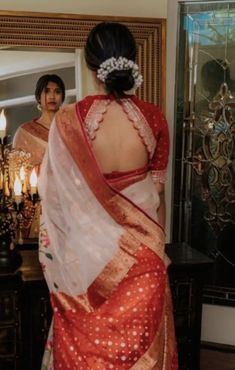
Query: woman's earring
[[39, 106]]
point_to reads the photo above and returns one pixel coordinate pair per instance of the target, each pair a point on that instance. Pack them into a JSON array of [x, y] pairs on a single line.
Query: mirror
[[19, 72], [32, 44], [66, 32]]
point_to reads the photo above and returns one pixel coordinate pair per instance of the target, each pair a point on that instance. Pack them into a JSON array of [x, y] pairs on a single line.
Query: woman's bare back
[[118, 146]]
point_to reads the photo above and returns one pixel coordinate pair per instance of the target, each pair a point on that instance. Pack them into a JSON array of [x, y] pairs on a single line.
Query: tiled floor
[[216, 360]]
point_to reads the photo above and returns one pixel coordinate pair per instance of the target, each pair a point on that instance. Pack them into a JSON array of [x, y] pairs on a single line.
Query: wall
[[144, 8], [218, 324]]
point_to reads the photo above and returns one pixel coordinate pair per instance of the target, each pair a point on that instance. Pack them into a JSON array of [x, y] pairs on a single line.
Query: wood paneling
[[67, 31]]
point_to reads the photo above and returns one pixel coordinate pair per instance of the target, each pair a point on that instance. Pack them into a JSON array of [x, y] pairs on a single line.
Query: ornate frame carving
[[66, 31]]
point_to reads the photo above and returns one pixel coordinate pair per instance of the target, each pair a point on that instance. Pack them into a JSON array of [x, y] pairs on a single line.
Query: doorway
[[204, 181]]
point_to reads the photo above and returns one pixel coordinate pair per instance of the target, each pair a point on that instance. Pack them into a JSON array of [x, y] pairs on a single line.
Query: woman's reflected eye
[[57, 91]]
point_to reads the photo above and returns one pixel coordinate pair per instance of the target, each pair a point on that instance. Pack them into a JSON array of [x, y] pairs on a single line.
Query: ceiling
[[17, 62]]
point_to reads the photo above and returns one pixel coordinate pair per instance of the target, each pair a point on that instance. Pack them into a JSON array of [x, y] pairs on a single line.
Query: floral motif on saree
[[32, 137]]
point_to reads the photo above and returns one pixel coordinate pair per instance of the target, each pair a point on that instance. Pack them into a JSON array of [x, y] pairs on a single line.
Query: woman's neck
[[100, 90], [46, 119]]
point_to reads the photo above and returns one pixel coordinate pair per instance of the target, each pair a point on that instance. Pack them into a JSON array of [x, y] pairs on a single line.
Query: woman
[[102, 238], [32, 136]]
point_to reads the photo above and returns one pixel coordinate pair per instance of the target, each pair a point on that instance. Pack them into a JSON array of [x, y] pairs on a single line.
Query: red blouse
[[147, 118]]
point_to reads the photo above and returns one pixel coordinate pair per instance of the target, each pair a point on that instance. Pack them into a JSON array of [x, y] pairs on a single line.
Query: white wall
[[170, 97], [143, 8], [218, 324]]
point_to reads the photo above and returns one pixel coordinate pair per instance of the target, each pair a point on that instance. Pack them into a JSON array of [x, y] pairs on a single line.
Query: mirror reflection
[[33, 86], [19, 73], [32, 136], [34, 83]]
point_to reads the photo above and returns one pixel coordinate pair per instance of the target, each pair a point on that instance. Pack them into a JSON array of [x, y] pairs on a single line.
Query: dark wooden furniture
[[25, 315], [25, 311], [187, 273], [10, 322]]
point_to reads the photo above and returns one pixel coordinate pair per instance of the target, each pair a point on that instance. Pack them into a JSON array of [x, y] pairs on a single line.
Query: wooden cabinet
[[25, 312], [36, 319], [25, 316], [10, 322], [187, 273]]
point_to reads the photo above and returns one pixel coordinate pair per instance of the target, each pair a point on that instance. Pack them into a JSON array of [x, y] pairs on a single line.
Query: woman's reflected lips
[[52, 104]]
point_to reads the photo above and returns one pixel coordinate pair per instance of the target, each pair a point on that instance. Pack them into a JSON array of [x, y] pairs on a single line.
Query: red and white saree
[[102, 252], [32, 137]]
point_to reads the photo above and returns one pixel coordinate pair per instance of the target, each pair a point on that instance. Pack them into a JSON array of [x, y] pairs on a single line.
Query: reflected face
[[51, 98]]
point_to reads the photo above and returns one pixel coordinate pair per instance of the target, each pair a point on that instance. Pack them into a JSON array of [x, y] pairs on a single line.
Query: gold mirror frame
[[69, 31]]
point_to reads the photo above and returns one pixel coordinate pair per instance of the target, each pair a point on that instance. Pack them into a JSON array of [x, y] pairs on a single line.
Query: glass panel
[[205, 134]]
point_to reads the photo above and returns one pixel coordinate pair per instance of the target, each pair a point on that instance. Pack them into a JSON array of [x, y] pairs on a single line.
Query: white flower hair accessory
[[119, 64]]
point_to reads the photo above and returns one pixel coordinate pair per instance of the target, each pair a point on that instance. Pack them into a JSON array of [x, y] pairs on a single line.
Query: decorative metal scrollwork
[[214, 159]]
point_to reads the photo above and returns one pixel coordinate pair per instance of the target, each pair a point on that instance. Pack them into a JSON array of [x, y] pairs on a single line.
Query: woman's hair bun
[[111, 40], [119, 81]]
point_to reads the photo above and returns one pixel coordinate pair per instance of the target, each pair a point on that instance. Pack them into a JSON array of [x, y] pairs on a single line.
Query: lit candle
[[25, 186], [33, 180], [17, 190], [3, 123], [23, 179], [22, 173]]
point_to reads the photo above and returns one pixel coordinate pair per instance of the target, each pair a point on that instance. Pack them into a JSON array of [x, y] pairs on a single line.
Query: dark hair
[[43, 82], [108, 40]]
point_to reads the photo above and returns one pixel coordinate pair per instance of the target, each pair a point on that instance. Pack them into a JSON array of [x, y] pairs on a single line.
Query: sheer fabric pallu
[[32, 137], [102, 257]]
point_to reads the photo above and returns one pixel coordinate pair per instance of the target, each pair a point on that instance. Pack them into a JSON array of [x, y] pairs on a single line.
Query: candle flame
[[17, 186], [3, 121], [22, 173], [33, 178]]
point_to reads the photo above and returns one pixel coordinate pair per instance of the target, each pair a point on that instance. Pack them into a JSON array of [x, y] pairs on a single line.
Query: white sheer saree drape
[[82, 235]]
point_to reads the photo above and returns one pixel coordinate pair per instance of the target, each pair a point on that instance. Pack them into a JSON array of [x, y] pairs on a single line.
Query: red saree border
[[36, 129], [121, 182], [108, 280]]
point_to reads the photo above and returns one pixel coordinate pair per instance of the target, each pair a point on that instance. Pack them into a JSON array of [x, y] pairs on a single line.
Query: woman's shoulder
[[32, 128], [84, 105], [147, 106], [25, 127], [152, 113], [22, 132], [87, 101], [28, 124]]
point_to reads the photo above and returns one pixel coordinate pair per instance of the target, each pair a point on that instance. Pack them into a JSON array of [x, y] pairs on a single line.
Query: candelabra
[[18, 201]]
